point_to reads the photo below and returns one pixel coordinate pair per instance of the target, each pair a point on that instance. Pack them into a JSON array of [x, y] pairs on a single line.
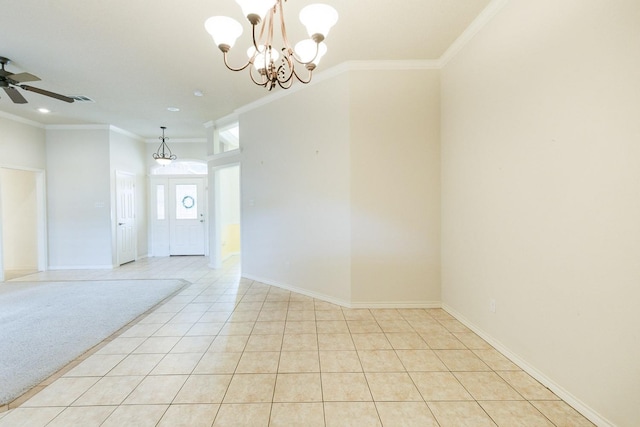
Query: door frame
[[118, 174], [41, 218], [216, 260]]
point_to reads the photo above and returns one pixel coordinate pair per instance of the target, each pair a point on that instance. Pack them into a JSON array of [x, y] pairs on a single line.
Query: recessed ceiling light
[[44, 110], [173, 109], [198, 93]]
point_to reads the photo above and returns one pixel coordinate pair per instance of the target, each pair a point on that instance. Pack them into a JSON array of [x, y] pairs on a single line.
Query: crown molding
[[125, 132], [109, 128], [77, 127], [178, 140], [338, 70], [224, 122], [469, 33], [383, 65], [22, 120]]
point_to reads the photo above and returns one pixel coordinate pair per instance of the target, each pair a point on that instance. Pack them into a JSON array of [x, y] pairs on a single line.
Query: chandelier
[[266, 68], [164, 156]]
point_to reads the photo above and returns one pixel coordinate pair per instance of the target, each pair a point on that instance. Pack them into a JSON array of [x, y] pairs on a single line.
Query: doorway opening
[[227, 215], [22, 223]]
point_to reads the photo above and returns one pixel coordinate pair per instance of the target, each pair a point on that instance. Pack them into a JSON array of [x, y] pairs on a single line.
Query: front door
[[126, 217], [186, 216]]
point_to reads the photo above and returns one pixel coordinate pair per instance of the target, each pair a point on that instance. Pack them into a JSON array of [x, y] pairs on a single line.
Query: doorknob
[[121, 223]]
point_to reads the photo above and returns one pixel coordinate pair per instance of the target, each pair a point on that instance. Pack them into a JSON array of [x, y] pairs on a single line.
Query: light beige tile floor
[[228, 351]]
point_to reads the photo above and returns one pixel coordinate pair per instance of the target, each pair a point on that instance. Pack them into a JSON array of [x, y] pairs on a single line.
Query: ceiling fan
[[9, 82]]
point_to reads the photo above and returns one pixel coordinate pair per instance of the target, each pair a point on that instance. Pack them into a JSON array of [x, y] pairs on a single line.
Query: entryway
[[22, 223], [178, 214]]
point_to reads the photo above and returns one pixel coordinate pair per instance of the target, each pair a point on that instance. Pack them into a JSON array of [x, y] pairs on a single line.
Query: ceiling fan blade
[[15, 96], [47, 93], [23, 77]]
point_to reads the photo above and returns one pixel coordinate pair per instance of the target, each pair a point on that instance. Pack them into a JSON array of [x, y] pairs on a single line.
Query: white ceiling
[[135, 58]]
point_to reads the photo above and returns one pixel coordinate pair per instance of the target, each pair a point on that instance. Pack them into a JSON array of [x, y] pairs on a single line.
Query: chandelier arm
[[287, 44], [299, 61], [226, 63], [253, 79], [283, 28], [253, 35], [286, 86], [290, 66], [163, 145], [301, 80]]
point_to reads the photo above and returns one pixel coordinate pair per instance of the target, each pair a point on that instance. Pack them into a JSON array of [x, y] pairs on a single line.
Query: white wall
[[540, 195], [22, 144], [79, 198], [295, 191], [395, 187]]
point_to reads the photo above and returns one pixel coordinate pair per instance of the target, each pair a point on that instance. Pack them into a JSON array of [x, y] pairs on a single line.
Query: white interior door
[[126, 220], [186, 216]]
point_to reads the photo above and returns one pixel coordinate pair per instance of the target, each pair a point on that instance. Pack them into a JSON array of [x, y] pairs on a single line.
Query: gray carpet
[[44, 326]]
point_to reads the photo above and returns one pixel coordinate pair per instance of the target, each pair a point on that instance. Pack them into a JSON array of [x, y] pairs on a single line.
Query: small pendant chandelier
[[164, 156], [317, 18]]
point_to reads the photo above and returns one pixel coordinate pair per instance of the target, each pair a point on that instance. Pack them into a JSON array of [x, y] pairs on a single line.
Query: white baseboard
[[298, 290], [21, 268], [346, 304], [397, 304], [229, 255], [560, 391], [81, 267]]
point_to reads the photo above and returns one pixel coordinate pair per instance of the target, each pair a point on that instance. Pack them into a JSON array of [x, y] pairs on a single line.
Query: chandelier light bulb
[[307, 49], [318, 19], [224, 30], [255, 10], [259, 57]]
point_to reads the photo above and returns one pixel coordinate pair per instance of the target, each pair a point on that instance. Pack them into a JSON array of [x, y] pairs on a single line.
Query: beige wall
[[540, 195], [340, 186], [295, 191], [395, 187], [79, 198], [19, 219]]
